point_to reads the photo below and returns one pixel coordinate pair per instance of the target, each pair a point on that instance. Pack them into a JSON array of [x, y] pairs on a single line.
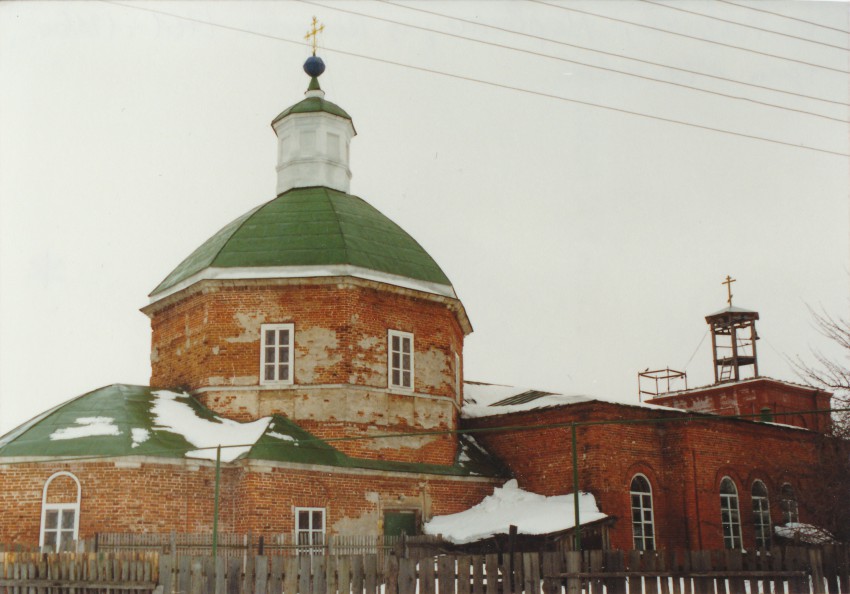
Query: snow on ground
[[509, 505], [173, 413], [87, 427]]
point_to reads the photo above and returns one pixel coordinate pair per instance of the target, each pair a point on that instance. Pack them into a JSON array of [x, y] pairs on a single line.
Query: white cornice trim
[[305, 388], [269, 272]]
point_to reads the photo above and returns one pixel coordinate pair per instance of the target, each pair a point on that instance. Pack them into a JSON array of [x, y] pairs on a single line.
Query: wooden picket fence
[[824, 570]]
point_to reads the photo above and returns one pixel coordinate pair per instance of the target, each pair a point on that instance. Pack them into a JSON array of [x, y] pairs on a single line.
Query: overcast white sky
[[586, 243]]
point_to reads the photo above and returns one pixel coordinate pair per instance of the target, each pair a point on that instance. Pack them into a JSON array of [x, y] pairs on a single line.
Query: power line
[[492, 84], [772, 32], [569, 61], [676, 33], [784, 16], [606, 53]]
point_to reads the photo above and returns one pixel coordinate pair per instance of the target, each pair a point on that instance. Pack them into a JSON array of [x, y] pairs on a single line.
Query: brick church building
[[321, 347]]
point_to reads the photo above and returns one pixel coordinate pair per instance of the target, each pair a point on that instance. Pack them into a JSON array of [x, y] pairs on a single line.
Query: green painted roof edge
[[198, 260], [313, 105]]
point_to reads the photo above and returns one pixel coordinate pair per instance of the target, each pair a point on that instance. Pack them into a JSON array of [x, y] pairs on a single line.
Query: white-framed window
[[788, 504], [276, 353], [643, 526], [730, 514], [310, 530], [60, 522], [761, 515], [400, 359]]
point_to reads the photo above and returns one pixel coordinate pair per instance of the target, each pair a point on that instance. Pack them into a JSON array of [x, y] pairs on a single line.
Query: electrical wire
[[696, 350], [492, 84], [606, 53], [685, 35], [576, 62], [772, 32], [784, 16]]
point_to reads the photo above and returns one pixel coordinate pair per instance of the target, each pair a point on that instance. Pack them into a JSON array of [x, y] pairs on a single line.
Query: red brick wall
[[212, 338], [684, 463], [162, 497], [750, 397]]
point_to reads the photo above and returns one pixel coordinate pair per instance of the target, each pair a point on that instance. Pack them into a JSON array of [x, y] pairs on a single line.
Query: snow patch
[[509, 505], [87, 427], [277, 435], [139, 435], [804, 533], [173, 413]]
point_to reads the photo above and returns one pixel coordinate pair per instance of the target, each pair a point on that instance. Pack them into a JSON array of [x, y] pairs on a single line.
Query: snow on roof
[[509, 505], [87, 427], [486, 400], [173, 413]]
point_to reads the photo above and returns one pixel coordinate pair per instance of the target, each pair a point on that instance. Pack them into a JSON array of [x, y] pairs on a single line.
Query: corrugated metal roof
[[312, 227]]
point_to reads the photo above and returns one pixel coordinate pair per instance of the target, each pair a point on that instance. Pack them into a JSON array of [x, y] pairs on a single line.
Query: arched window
[[761, 515], [642, 520], [730, 516], [788, 504], [60, 511]]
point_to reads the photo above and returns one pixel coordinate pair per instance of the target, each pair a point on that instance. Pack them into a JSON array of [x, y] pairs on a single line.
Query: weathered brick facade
[[154, 495], [207, 341], [683, 461]]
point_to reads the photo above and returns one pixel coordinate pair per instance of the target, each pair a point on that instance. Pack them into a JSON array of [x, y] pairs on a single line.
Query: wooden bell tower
[[733, 341]]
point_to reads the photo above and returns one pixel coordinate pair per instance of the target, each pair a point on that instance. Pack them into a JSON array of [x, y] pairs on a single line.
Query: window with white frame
[[276, 353], [643, 527], [60, 521], [761, 515], [310, 530], [730, 515], [400, 359], [788, 504]]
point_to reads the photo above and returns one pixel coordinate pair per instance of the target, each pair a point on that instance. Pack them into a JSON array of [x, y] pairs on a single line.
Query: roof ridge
[[336, 220]]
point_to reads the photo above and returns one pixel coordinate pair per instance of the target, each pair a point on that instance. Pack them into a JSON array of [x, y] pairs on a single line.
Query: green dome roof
[[312, 105], [318, 230]]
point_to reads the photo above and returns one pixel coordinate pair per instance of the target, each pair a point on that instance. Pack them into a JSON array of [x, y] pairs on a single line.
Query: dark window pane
[[283, 373], [270, 337], [50, 540], [269, 354], [405, 362], [269, 372], [51, 519], [283, 337], [405, 381], [396, 346], [396, 377], [396, 360], [68, 519], [318, 524]]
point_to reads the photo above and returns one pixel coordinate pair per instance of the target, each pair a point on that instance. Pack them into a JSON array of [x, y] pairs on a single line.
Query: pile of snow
[[804, 533], [509, 505], [87, 427], [172, 412]]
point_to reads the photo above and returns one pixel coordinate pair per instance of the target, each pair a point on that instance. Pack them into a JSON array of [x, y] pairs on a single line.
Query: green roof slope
[[314, 226], [123, 407], [119, 420]]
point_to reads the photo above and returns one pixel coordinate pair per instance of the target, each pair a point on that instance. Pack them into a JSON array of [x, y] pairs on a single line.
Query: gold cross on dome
[[314, 33], [728, 282]]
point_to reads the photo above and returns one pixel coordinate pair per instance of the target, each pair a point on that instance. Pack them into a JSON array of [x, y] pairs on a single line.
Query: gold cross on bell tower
[[314, 33], [728, 282]]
